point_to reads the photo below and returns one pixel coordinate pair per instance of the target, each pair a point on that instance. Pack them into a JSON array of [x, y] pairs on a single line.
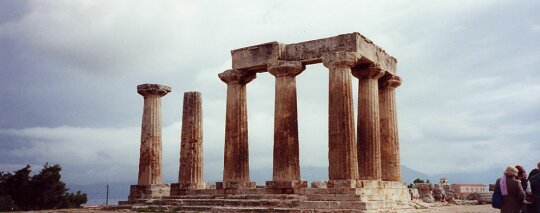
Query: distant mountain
[[408, 175]]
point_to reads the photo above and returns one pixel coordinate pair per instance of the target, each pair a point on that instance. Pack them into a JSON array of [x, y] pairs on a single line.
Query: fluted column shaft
[[191, 149], [236, 159], [389, 132], [286, 152], [150, 152], [342, 158], [368, 130]]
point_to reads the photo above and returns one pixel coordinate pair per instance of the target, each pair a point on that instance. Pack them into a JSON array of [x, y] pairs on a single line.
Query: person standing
[[534, 180], [522, 176], [511, 191]]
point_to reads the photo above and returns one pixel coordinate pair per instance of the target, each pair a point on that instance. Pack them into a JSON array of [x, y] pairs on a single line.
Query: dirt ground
[[440, 209], [462, 209]]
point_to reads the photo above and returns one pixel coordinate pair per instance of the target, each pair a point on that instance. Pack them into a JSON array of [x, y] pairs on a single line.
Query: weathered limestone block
[[390, 163], [191, 148], [318, 184], [236, 157], [450, 194], [438, 193], [414, 193], [256, 58], [342, 158], [150, 154], [425, 191], [139, 192], [368, 129]]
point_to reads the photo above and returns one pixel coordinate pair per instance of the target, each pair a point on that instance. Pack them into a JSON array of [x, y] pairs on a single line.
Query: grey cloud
[[469, 79]]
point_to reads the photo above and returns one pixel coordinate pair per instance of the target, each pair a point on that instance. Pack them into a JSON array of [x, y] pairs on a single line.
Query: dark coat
[[514, 200]]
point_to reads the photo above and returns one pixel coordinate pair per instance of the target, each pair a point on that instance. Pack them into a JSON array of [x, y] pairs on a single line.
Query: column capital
[[389, 81], [340, 59], [280, 68], [236, 76], [369, 72], [153, 89]]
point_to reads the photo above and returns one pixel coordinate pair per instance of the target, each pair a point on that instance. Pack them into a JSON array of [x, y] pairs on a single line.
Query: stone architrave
[[236, 157], [390, 163], [286, 168], [149, 184], [368, 130], [191, 148], [342, 158]]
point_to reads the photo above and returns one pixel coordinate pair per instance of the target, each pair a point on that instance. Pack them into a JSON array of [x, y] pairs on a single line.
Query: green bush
[[44, 190]]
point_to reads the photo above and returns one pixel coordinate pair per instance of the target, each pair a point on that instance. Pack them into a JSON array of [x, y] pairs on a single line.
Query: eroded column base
[[184, 188], [285, 187], [153, 191]]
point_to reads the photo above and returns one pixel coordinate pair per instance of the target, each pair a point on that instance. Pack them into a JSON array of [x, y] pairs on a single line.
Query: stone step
[[360, 205], [255, 209], [192, 208], [357, 191], [345, 197], [230, 202], [238, 196], [334, 211]]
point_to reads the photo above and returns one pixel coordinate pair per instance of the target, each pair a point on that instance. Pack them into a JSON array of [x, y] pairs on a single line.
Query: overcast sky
[[469, 100]]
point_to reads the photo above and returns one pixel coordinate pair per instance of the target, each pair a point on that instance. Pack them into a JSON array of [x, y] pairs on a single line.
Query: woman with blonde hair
[[511, 191]]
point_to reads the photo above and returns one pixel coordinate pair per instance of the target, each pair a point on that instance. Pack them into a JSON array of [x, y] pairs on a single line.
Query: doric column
[[389, 132], [191, 149], [286, 172], [236, 162], [150, 155], [149, 184], [368, 130], [342, 158]]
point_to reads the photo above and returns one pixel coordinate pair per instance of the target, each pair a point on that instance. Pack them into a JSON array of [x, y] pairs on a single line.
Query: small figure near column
[[149, 183], [236, 157], [286, 172], [190, 175]]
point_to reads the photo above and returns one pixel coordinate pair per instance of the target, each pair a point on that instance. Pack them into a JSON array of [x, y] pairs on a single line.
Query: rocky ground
[[461, 209], [425, 209]]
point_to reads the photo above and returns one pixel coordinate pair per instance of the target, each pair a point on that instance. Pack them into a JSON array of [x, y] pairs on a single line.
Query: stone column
[[150, 180], [368, 130], [191, 148], [286, 172], [236, 162], [389, 132], [342, 157]]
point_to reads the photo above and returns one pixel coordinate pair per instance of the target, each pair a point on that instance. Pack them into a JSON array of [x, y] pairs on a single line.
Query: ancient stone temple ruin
[[364, 167]]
